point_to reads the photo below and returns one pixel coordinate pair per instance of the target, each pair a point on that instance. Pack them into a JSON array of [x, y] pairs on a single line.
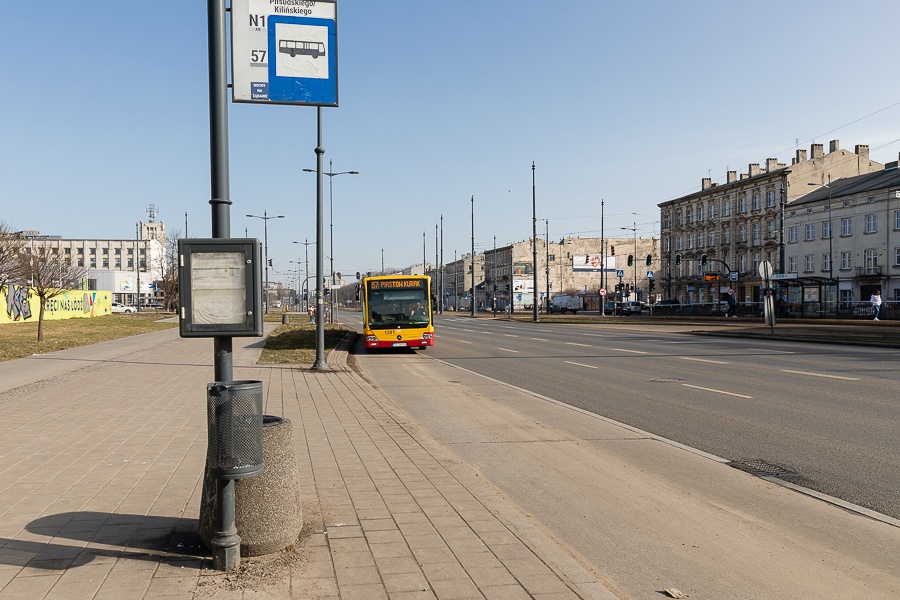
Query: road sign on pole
[[284, 53]]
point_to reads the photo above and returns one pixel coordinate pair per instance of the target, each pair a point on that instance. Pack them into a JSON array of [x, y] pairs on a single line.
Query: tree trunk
[[41, 320]]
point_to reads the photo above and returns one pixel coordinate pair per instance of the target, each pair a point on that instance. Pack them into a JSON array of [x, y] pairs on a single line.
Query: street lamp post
[[331, 174], [265, 217], [830, 243], [306, 244], [633, 229], [534, 265]]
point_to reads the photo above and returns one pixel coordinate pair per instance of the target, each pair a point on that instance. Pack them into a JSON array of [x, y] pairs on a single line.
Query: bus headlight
[[427, 336], [371, 338]]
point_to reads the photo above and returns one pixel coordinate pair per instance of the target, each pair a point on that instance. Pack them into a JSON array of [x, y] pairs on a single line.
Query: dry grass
[[18, 340], [296, 344]]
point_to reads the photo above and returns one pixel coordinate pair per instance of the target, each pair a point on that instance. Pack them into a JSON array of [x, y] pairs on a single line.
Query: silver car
[[118, 307]]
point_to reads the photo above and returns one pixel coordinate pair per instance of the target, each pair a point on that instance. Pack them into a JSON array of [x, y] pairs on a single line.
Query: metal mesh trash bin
[[234, 425]]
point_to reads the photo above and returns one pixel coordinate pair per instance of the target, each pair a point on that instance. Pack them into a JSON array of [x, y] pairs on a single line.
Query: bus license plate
[[399, 344]]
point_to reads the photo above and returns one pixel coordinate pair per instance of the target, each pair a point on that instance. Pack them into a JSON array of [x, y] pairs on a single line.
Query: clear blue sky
[[105, 112]]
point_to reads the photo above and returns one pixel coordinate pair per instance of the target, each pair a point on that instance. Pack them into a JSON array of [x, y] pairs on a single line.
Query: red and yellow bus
[[397, 311]]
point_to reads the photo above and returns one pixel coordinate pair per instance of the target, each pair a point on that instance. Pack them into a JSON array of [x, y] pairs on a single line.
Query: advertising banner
[[592, 263], [21, 304]]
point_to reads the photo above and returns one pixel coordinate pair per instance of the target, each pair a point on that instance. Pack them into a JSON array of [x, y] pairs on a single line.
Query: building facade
[[120, 266], [845, 235], [714, 240]]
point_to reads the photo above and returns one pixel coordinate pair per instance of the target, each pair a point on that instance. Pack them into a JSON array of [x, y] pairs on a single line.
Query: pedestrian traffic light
[[652, 286], [649, 259], [270, 262], [612, 250], [630, 259], [703, 260], [677, 259]]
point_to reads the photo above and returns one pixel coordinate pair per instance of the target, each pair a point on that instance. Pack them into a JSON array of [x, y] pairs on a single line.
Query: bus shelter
[[807, 297]]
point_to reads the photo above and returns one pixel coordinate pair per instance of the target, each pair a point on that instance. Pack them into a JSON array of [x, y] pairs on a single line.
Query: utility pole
[[534, 266]]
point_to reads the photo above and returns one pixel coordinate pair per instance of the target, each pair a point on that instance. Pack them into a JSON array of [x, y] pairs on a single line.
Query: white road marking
[[631, 351], [697, 387], [508, 350], [706, 360], [539, 339], [820, 375], [577, 344], [579, 364]]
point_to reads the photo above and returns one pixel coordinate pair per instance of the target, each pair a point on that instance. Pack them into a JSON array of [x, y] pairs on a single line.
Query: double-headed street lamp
[[265, 217], [331, 174], [306, 244], [633, 256]]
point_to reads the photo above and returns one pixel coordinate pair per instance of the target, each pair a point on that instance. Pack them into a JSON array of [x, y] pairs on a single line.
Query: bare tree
[[49, 273], [9, 256], [167, 267]]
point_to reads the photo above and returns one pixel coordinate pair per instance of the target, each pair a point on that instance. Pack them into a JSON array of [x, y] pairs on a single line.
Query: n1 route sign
[[284, 52]]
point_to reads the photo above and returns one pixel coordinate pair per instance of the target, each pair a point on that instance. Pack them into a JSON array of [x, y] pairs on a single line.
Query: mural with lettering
[[21, 304]]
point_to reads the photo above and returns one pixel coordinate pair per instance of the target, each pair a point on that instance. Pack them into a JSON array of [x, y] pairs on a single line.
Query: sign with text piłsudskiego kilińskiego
[[284, 52]]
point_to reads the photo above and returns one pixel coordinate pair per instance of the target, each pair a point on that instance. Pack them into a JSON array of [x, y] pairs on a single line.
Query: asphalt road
[[646, 513], [821, 416]]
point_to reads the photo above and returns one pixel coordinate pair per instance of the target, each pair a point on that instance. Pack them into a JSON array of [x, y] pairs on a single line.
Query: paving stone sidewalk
[[101, 473]]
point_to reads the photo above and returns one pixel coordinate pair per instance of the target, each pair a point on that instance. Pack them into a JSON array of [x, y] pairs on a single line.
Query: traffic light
[[703, 260], [612, 250], [649, 259], [270, 262], [630, 259], [677, 259]]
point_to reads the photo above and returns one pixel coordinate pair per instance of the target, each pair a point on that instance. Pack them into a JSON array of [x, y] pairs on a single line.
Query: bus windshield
[[395, 306]]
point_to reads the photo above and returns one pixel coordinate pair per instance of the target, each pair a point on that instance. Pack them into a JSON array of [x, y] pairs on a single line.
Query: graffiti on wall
[[17, 306], [22, 304]]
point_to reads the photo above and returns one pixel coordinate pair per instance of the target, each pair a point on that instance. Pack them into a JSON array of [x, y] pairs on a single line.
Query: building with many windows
[[843, 241], [714, 239], [574, 265], [119, 266]]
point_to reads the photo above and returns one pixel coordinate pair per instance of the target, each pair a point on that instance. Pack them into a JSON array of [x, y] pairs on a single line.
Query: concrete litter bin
[[268, 514]]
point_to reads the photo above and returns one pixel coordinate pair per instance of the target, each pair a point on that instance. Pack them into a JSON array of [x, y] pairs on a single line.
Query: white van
[[562, 303]]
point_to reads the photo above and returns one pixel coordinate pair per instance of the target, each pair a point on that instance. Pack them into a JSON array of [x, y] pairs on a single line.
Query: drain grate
[[761, 468]]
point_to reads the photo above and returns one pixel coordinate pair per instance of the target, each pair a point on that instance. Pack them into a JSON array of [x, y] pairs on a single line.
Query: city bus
[[397, 311]]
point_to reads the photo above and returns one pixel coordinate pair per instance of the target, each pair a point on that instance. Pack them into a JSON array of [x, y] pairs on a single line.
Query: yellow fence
[[22, 304]]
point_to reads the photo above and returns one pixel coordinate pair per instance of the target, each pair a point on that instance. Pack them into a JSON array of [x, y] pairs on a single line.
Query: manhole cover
[[761, 468], [665, 380]]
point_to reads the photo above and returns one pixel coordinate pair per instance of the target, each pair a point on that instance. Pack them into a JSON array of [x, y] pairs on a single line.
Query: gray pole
[[441, 263], [226, 543], [185, 224], [534, 265], [137, 261], [602, 253], [319, 364], [473, 256], [547, 264]]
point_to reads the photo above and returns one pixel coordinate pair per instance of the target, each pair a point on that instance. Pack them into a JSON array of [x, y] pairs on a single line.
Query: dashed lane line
[[820, 375], [706, 389]]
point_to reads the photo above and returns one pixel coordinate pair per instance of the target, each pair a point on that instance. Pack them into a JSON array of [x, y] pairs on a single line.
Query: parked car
[[635, 307], [616, 308], [118, 307]]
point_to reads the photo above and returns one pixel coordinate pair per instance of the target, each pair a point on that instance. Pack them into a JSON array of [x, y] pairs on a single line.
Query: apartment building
[[715, 239], [845, 233]]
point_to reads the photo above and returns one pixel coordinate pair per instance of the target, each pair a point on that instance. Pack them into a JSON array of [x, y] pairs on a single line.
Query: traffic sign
[[602, 291], [649, 274], [284, 53], [733, 276], [620, 273]]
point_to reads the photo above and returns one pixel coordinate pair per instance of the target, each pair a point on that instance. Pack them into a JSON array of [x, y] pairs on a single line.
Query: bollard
[[285, 319]]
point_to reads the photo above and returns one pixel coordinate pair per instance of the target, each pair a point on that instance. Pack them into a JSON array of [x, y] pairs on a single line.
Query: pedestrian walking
[[312, 313], [732, 304], [876, 303]]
